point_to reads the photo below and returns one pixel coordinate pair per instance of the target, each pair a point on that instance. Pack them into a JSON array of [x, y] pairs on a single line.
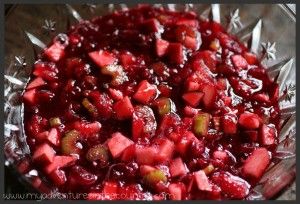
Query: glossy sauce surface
[[171, 54]]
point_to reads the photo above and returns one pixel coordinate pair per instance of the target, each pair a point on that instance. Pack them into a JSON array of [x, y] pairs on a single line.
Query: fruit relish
[[151, 104]]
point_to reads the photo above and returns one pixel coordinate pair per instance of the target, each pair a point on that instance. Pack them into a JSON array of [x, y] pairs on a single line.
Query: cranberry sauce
[[147, 101]]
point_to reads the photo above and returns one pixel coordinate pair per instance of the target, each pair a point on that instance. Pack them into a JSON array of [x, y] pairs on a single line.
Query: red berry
[[229, 123], [82, 176], [249, 120], [58, 177], [250, 58], [151, 25], [143, 123], [233, 186]]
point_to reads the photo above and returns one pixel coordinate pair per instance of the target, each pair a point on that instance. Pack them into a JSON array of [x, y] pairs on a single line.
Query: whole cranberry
[[197, 148]]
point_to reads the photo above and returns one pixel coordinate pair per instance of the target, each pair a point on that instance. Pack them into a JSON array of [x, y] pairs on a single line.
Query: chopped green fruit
[[207, 170], [54, 122], [69, 143], [201, 122], [155, 177], [164, 106], [89, 106], [98, 153], [116, 72]]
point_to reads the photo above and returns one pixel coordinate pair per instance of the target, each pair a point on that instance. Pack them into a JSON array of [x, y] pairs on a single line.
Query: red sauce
[[156, 102]]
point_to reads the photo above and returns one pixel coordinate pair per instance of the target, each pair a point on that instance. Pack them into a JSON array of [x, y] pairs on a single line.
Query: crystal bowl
[[267, 29]]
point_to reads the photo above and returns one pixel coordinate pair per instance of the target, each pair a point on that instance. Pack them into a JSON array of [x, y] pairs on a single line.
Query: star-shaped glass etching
[[20, 61], [90, 7], [288, 139], [269, 50], [290, 92], [49, 25], [234, 21]]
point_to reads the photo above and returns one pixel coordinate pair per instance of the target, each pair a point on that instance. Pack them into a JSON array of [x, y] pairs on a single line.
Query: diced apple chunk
[[127, 59], [176, 53], [177, 167], [176, 191], [53, 137], [146, 155], [192, 98], [165, 150], [102, 58], [145, 92], [161, 47], [256, 164], [29, 96], [37, 82], [55, 52], [59, 162], [202, 181], [44, 154], [109, 192], [118, 143], [210, 96], [184, 143], [128, 154], [190, 111], [208, 58], [115, 94], [123, 108]]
